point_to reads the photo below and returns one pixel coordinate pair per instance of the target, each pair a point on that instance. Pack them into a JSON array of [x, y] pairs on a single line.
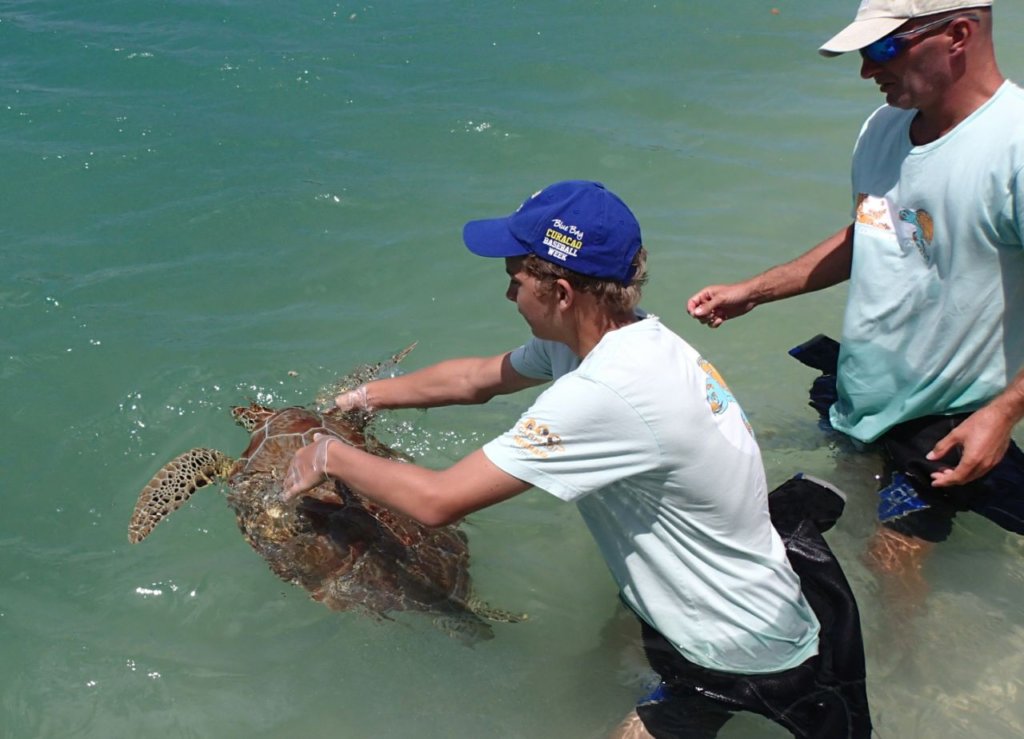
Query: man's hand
[[983, 439], [716, 304], [308, 467], [354, 400]]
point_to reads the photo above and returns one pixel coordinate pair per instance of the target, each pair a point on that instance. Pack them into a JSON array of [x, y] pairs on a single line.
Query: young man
[[643, 435], [930, 360]]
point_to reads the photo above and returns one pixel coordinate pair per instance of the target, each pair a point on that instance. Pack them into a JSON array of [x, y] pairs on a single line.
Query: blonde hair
[[611, 295]]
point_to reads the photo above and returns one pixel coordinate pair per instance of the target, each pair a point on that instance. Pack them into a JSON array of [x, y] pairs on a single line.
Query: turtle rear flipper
[[174, 484], [465, 627], [470, 626], [489, 612]]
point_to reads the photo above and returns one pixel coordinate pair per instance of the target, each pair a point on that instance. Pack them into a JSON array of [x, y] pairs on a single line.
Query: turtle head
[[250, 416]]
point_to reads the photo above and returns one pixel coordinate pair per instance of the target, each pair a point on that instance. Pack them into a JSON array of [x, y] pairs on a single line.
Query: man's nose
[[868, 68]]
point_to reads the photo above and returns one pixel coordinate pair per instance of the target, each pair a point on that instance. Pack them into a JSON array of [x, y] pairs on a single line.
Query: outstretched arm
[[983, 437], [465, 381], [825, 265], [434, 498]]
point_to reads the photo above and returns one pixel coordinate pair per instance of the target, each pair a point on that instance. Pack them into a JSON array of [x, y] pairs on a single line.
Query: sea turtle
[[348, 552]]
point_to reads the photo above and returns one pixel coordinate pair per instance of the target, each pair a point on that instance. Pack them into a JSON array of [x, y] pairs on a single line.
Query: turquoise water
[[206, 203]]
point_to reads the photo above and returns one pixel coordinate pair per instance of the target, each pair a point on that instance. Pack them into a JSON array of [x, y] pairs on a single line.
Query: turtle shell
[[348, 552]]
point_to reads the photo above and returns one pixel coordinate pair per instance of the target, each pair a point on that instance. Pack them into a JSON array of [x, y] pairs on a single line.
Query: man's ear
[[961, 32], [564, 293]]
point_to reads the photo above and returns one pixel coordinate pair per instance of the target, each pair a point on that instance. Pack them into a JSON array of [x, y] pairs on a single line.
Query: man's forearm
[[403, 487], [825, 265], [1010, 402], [432, 497], [464, 381]]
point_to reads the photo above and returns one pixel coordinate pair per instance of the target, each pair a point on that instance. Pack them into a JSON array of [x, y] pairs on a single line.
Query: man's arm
[[983, 437], [434, 498], [465, 381], [825, 265]]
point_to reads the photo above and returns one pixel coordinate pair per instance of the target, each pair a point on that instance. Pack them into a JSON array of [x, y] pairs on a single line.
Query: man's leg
[[826, 697], [897, 560], [680, 706], [903, 541], [688, 715], [631, 728], [909, 527]]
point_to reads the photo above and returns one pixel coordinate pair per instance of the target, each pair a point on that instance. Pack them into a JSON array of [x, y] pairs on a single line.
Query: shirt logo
[[912, 227], [873, 211], [922, 229], [718, 395], [716, 390], [536, 438]]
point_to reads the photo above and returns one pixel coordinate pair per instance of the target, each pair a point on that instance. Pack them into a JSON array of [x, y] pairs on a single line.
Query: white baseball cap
[[878, 18]]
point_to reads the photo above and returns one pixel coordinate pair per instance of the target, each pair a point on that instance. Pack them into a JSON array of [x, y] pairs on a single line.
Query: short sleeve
[[544, 360], [579, 436], [531, 360]]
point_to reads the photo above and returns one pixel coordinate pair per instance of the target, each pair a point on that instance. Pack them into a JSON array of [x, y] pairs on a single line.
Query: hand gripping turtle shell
[[348, 552]]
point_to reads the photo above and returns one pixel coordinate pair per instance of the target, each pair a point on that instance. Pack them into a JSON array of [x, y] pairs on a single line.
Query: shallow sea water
[[209, 203]]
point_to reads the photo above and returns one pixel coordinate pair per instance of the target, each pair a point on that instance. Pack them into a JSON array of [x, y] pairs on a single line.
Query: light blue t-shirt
[[646, 438], [934, 322]]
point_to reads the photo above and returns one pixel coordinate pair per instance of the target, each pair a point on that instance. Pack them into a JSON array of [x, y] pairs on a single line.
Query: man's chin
[[540, 335], [895, 100]]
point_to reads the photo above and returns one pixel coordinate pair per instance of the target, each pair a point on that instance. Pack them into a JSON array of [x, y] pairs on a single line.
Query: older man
[[932, 346]]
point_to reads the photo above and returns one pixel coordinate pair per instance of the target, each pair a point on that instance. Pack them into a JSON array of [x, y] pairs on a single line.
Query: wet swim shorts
[[908, 503], [825, 697], [911, 506]]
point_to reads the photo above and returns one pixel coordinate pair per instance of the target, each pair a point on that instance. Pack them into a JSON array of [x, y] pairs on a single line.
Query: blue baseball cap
[[577, 224]]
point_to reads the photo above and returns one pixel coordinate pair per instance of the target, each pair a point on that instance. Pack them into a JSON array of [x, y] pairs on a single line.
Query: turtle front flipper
[[174, 484], [360, 375]]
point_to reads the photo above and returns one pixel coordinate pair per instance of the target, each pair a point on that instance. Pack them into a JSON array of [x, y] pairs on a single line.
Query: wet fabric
[[823, 698], [899, 499], [934, 308], [928, 512], [820, 353], [908, 503]]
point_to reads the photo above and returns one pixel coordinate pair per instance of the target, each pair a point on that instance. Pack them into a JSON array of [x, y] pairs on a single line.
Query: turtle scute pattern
[[348, 552]]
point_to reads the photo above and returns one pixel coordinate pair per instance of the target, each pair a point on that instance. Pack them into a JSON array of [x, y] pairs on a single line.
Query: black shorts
[[908, 503], [824, 697]]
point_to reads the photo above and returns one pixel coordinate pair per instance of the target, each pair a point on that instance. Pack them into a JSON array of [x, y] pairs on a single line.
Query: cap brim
[[859, 34], [491, 238]]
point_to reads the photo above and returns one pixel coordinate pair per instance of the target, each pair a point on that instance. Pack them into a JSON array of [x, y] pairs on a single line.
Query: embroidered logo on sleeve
[[717, 391], [536, 438], [718, 395]]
